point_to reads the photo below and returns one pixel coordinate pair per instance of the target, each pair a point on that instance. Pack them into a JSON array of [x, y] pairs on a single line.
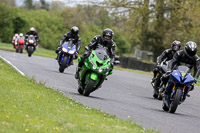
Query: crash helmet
[[16, 35], [176, 43], [21, 35], [32, 29], [190, 48], [107, 35], [74, 31]]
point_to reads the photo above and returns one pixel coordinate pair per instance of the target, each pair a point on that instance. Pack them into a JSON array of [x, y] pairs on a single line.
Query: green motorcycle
[[94, 71]]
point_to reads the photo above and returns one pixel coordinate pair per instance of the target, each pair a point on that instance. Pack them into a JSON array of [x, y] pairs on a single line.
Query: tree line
[[153, 24], [145, 24]]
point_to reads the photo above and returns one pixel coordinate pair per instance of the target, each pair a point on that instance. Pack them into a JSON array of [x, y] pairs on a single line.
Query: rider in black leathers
[[31, 32], [186, 57], [73, 34], [167, 55], [100, 41]]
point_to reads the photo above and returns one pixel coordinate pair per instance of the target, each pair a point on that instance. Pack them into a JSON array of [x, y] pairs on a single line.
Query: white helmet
[[16, 35], [32, 29], [21, 35]]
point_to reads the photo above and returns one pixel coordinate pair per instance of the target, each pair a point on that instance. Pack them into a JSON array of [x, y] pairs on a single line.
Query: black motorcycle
[[30, 45], [157, 82]]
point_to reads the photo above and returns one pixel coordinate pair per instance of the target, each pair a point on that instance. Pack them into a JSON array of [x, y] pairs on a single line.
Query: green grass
[[132, 70], [39, 51], [27, 106], [6, 46]]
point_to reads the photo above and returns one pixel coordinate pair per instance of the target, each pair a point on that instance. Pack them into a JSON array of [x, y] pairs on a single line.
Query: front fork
[[171, 90]]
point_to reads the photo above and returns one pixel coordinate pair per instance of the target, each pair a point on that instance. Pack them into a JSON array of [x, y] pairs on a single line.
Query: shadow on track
[[59, 72], [95, 97]]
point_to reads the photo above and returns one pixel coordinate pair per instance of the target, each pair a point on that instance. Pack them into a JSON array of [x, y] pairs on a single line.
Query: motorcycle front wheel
[[63, 64], [30, 51], [89, 87], [174, 104]]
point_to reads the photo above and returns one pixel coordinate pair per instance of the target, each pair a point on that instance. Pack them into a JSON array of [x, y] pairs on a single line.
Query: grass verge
[[132, 70], [27, 106], [39, 51]]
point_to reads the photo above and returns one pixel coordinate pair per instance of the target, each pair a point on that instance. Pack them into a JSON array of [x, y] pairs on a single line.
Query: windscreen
[[31, 37], [70, 43], [183, 69], [101, 53]]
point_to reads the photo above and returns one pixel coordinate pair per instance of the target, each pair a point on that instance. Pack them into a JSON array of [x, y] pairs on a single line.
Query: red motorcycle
[[20, 45], [14, 42]]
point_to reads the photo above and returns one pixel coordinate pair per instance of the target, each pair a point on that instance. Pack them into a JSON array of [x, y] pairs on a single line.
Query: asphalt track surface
[[126, 95]]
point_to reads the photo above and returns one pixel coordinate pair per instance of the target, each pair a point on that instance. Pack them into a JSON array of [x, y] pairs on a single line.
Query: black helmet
[[107, 35], [74, 31], [176, 43], [190, 48]]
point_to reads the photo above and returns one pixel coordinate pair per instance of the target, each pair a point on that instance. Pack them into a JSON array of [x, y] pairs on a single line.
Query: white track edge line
[[8, 62]]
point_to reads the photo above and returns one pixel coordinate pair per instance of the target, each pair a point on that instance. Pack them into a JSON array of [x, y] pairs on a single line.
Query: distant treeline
[[149, 25], [52, 24]]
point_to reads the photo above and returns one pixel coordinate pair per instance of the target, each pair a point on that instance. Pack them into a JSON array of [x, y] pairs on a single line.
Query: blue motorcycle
[[66, 55], [177, 88]]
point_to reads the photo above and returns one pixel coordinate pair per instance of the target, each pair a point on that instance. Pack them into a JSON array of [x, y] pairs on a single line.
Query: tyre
[[89, 87], [21, 50], [159, 96], [164, 107], [80, 91], [156, 84], [29, 54], [174, 104], [16, 50], [63, 64], [155, 94], [30, 51]]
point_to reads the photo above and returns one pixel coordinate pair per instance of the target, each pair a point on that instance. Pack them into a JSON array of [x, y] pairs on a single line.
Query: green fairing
[[94, 76], [79, 59], [95, 69]]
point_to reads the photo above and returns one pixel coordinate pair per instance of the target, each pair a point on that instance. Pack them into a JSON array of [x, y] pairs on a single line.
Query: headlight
[[64, 49], [100, 70], [31, 41], [71, 52], [94, 67]]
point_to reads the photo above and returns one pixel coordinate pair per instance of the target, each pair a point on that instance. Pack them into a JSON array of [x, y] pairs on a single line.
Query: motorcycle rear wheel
[[89, 87], [21, 50], [159, 96]]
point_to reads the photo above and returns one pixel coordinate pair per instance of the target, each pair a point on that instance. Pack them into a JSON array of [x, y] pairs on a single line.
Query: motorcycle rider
[[34, 33], [14, 39], [99, 41], [189, 58], [73, 34], [166, 55], [21, 36]]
